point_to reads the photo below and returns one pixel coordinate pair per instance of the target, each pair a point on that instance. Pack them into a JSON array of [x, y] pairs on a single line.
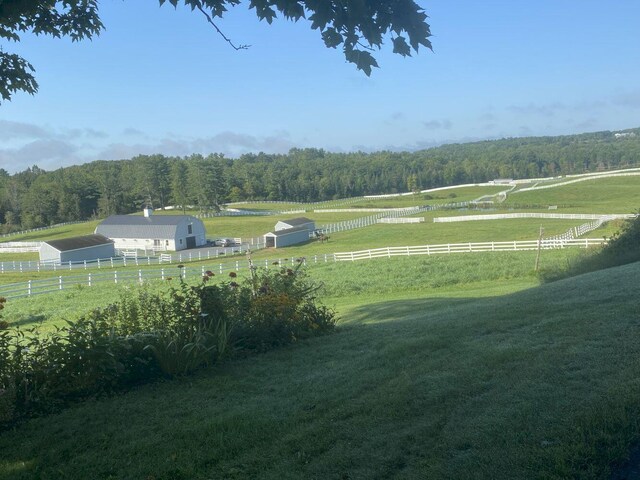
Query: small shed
[[153, 232], [290, 232], [76, 249]]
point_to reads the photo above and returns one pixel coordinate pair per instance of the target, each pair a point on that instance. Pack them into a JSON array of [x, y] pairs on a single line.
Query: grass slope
[[540, 383], [604, 195]]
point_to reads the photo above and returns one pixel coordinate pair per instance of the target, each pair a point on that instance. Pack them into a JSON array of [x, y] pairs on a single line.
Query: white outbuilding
[[290, 232], [157, 233], [76, 249]]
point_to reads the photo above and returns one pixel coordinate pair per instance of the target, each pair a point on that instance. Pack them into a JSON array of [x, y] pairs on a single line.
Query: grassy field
[[459, 366], [342, 282], [605, 195], [500, 379], [449, 195]]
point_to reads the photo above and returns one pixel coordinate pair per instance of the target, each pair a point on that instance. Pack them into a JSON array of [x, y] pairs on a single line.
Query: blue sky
[[160, 80]]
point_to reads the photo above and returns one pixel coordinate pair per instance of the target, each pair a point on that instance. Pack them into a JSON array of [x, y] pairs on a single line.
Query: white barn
[[76, 249], [290, 232], [157, 233]]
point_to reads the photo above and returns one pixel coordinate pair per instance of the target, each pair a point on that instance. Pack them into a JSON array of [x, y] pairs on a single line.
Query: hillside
[[35, 198], [498, 383]]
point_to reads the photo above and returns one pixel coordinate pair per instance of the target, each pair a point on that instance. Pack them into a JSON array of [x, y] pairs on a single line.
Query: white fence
[[19, 247], [506, 216], [39, 229], [132, 259], [401, 220], [59, 283], [576, 180], [464, 247]]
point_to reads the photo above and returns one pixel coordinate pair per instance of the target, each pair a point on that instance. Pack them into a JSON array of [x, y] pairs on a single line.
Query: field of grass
[[341, 282], [605, 195], [496, 379], [449, 195], [452, 366]]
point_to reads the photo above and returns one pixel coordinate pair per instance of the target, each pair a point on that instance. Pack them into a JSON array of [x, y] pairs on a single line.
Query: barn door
[[191, 242]]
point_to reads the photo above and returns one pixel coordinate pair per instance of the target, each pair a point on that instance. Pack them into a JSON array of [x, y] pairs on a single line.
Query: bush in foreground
[[147, 335]]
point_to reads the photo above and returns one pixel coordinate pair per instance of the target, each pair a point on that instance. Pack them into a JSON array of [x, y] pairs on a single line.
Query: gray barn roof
[[75, 243], [295, 222], [136, 226]]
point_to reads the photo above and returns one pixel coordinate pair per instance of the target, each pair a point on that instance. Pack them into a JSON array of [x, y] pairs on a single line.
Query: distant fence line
[[401, 220], [576, 180], [393, 213], [60, 283], [580, 230], [506, 216], [39, 229], [19, 247]]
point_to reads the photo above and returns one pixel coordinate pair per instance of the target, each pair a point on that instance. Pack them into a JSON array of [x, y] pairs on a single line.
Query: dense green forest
[[35, 197]]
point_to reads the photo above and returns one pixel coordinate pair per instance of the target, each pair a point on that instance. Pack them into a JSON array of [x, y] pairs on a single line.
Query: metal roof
[[136, 226], [295, 222], [76, 243]]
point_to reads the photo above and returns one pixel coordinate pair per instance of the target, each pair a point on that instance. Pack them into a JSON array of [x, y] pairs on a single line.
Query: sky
[[161, 80]]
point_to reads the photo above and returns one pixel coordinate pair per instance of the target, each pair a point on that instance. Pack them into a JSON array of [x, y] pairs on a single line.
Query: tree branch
[[228, 40]]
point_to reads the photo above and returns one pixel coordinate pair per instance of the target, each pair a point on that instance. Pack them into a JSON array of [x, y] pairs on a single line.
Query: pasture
[[452, 366], [605, 195], [500, 379]]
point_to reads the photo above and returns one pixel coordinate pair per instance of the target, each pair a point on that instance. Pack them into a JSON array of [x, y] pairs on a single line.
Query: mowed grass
[[604, 195], [537, 383]]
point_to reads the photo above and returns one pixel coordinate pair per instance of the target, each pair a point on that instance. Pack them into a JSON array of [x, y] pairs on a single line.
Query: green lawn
[[500, 379], [605, 195]]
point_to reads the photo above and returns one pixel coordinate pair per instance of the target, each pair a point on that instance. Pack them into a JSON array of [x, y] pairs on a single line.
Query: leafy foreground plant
[[147, 335]]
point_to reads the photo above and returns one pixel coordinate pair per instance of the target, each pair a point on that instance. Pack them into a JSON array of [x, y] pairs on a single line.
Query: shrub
[[148, 334]]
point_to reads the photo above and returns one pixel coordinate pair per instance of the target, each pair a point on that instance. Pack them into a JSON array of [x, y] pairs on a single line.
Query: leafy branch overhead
[[359, 27]]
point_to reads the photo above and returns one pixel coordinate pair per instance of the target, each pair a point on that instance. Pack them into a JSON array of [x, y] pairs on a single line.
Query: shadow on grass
[[420, 388], [29, 320]]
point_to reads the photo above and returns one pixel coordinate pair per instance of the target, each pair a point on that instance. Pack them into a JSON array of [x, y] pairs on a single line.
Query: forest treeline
[[35, 197]]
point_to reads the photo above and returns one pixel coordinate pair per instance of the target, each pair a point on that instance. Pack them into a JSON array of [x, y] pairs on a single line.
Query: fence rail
[[19, 247], [130, 259], [90, 279], [465, 247], [506, 216]]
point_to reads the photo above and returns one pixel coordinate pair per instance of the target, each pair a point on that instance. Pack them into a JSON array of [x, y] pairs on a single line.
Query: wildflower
[[209, 273], [233, 274]]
